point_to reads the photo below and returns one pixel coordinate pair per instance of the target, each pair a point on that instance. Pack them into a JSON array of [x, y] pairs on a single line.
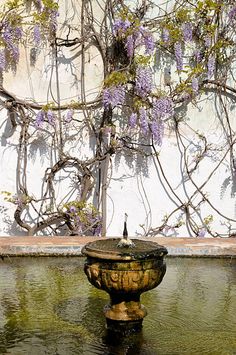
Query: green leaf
[[116, 78]]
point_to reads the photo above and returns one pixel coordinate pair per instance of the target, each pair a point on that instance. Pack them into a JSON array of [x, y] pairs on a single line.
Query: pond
[[47, 306]]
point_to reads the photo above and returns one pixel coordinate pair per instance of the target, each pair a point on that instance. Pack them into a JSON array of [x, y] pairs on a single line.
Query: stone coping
[[71, 246]]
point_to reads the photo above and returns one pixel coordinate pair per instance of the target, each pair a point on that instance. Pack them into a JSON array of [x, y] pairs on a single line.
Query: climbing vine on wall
[[157, 61]]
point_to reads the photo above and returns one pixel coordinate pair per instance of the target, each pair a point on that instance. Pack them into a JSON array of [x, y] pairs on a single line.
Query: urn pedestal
[[124, 273]]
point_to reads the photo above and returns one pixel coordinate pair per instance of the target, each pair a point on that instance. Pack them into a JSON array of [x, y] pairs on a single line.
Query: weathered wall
[[136, 185]]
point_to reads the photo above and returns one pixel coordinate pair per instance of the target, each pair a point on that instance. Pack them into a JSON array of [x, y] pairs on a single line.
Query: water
[[47, 306]]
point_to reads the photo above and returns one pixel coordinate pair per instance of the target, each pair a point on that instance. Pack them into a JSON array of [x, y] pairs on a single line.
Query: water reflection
[[48, 307], [124, 345]]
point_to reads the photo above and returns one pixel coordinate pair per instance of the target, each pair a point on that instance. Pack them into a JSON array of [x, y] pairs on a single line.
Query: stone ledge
[[71, 246]]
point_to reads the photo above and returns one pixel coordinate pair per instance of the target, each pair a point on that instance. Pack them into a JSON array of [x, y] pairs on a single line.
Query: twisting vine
[[192, 44]]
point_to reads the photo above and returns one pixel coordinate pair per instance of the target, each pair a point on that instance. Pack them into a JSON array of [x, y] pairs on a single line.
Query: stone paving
[[44, 246]]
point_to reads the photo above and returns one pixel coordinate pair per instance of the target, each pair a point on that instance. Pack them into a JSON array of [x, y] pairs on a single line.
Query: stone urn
[[124, 273]]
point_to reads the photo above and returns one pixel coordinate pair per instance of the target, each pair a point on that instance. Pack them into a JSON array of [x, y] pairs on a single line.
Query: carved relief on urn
[[129, 277]]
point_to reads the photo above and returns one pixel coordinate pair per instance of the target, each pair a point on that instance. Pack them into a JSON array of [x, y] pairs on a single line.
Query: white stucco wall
[[136, 186]]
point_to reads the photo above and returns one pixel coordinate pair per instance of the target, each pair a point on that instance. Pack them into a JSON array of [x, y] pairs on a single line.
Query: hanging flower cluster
[[113, 96], [69, 116], [232, 14], [44, 24], [153, 120], [165, 35], [44, 115], [45, 20], [84, 217], [149, 115], [157, 128], [37, 35], [11, 35], [188, 36], [178, 56], [163, 108], [133, 120], [187, 30], [143, 120], [143, 81], [134, 35]]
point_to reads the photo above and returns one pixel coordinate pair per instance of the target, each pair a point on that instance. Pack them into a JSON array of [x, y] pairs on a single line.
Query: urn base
[[123, 328], [123, 310]]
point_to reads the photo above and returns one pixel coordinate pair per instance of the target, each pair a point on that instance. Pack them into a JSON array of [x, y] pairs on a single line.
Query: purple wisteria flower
[[53, 20], [94, 223], [149, 43], [15, 53], [207, 41], [120, 26], [187, 30], [50, 117], [2, 60], [140, 36], [157, 128], [143, 82], [163, 108], [165, 35], [210, 66], [7, 35], [40, 117], [133, 120], [85, 220], [178, 56], [98, 227], [197, 55], [107, 98], [69, 116], [114, 96], [17, 33], [72, 209], [37, 35], [185, 96], [195, 85], [202, 233], [232, 13], [143, 120], [11, 34], [38, 4], [11, 37], [130, 46]]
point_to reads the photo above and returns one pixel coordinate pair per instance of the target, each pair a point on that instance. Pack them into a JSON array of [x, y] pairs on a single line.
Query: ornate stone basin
[[124, 273]]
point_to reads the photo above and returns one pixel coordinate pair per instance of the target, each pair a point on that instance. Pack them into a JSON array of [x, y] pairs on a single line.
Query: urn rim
[[108, 250]]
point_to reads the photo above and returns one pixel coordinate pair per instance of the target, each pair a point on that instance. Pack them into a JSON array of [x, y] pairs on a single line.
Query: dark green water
[[48, 307]]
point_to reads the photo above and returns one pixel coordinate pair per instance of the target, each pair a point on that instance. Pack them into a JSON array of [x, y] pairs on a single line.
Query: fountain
[[124, 269]]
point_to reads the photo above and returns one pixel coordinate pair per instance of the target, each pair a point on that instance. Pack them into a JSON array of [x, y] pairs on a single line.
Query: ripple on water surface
[[47, 306]]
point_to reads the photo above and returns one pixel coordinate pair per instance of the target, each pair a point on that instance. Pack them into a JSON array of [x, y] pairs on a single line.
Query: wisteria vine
[[194, 45]]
